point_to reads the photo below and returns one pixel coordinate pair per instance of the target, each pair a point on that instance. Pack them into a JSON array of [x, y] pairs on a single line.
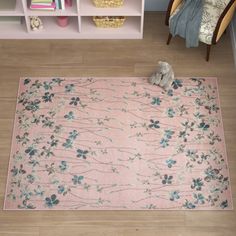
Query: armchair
[[216, 17]]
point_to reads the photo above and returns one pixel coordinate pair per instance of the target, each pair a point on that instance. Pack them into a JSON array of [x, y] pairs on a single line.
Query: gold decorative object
[[109, 21], [108, 3]]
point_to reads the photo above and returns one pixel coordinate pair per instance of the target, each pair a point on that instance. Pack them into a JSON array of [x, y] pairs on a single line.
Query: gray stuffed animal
[[164, 76]]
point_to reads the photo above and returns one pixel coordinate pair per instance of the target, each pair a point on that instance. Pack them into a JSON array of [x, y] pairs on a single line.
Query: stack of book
[[42, 5], [60, 4], [47, 4]]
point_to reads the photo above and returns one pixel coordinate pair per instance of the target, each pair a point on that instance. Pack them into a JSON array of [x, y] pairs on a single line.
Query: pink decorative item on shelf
[[62, 21], [68, 3]]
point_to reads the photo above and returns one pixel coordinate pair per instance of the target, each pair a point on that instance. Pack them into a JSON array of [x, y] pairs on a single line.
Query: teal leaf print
[[189, 205], [33, 105], [47, 97], [38, 191], [77, 179], [197, 184], [30, 178], [170, 163], [69, 88], [26, 205], [50, 168], [51, 201], [54, 142], [57, 81], [74, 101], [62, 189], [15, 171], [24, 139], [58, 129], [174, 195], [63, 166], [47, 152], [73, 134], [211, 174], [203, 126], [170, 112], [27, 81], [154, 124], [211, 108], [156, 101], [198, 81], [47, 122], [164, 142], [224, 204], [200, 199], [168, 133], [82, 153], [47, 85], [167, 179], [177, 84], [31, 151], [37, 84], [68, 143], [70, 116], [170, 93]]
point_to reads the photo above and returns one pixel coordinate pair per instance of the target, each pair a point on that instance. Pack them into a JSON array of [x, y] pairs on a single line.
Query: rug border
[[137, 210]]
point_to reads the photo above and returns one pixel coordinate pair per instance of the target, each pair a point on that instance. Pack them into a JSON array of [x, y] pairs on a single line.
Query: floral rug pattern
[[117, 144]]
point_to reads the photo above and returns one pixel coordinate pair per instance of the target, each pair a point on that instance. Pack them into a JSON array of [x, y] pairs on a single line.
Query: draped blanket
[[187, 21]]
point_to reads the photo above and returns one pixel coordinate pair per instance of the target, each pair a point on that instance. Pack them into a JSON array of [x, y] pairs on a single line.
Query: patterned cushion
[[210, 17], [218, 3]]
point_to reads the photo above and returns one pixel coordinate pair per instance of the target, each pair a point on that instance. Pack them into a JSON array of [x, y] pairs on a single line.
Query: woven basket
[[108, 3], [109, 21]]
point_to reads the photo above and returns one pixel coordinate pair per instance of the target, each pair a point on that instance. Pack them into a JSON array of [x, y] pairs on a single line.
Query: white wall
[[156, 5]]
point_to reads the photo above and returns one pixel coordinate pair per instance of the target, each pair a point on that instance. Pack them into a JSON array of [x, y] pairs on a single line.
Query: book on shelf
[[7, 5], [47, 5]]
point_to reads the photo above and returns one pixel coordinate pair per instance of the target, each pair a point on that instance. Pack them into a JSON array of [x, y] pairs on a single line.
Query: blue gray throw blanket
[[186, 23]]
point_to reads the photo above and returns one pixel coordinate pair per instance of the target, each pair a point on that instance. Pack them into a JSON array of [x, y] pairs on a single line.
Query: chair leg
[[169, 39], [208, 52]]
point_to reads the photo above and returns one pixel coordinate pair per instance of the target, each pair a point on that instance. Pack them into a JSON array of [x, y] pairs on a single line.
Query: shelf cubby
[[130, 28], [81, 25], [69, 11], [18, 11], [53, 30], [130, 8], [13, 30]]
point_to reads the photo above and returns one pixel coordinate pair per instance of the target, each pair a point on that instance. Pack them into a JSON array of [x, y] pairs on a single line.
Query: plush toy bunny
[[164, 76], [36, 23]]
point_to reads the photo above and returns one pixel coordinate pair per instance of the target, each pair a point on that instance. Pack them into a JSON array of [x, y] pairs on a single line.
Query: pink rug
[[117, 144]]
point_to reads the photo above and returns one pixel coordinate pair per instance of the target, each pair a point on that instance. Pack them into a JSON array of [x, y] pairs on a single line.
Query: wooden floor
[[115, 58]]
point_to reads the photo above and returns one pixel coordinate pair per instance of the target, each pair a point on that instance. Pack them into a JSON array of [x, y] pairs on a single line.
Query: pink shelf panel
[[50, 27]]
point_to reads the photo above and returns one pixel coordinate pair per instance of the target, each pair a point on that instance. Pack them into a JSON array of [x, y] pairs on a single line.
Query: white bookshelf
[[81, 25]]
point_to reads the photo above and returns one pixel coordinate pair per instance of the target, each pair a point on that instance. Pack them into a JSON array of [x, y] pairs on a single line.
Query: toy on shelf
[[36, 23], [68, 3], [62, 21]]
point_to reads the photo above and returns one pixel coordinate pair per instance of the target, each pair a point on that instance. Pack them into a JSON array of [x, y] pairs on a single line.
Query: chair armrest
[[224, 21], [173, 4]]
